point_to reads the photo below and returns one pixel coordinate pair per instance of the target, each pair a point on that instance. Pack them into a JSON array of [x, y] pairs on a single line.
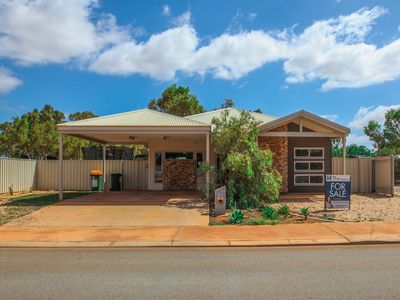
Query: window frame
[[309, 164], [309, 156], [309, 183]]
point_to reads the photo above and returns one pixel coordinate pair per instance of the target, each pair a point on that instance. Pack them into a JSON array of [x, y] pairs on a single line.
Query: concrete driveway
[[122, 209]]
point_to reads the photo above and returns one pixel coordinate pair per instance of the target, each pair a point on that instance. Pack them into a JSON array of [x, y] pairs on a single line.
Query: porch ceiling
[[139, 138]]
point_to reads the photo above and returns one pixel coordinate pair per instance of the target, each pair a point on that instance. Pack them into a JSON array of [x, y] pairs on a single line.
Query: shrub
[[260, 221], [244, 168], [269, 213], [236, 216], [272, 200], [283, 210], [11, 190], [305, 212]]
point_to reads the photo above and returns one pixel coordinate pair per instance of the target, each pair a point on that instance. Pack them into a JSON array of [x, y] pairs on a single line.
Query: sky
[[337, 59]]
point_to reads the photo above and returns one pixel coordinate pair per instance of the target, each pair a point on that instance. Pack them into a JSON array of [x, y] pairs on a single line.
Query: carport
[[162, 133]]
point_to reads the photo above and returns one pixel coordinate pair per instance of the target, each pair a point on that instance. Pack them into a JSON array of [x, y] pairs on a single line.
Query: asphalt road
[[215, 273]]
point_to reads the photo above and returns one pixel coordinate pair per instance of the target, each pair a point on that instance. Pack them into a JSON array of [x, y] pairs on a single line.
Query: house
[[300, 142]]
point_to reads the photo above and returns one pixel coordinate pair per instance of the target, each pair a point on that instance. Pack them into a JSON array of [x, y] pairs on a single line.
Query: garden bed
[[364, 207]]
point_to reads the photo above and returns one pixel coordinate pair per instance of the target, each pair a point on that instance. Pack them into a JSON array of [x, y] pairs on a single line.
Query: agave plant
[[269, 213], [236, 216], [305, 211]]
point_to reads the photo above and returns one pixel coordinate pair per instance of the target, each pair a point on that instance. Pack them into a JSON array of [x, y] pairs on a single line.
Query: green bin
[[96, 182]]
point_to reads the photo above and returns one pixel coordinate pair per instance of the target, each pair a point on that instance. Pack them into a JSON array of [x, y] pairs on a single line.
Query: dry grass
[[21, 204]]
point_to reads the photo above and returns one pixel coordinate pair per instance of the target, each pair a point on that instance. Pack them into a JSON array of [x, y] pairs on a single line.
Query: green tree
[[32, 135], [353, 150], [72, 145], [228, 102], [35, 135], [177, 100], [387, 138], [244, 168], [258, 110]]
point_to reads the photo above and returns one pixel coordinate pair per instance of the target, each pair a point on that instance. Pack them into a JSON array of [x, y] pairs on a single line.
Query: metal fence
[[360, 170], [76, 174], [17, 174], [384, 175], [22, 175]]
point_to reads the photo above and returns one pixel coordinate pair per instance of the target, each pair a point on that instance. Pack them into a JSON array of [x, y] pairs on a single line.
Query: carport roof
[[138, 118]]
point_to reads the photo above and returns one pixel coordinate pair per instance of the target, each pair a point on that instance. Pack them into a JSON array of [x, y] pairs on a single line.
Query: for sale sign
[[337, 192]]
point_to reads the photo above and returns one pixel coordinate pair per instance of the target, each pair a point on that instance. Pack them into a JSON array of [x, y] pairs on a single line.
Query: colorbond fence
[[19, 174], [43, 174], [23, 174], [360, 170]]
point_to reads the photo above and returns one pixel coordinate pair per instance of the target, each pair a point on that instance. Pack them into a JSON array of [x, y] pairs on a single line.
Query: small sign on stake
[[220, 201], [337, 192]]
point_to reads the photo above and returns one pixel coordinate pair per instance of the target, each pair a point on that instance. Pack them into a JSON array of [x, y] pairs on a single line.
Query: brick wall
[[179, 175], [279, 148]]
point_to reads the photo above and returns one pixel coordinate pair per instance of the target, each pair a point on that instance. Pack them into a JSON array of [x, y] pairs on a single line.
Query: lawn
[[19, 206]]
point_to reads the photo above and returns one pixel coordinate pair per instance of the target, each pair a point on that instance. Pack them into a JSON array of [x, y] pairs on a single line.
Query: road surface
[[201, 273]]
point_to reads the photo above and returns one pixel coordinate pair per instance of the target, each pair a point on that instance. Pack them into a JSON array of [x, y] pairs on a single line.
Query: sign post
[[220, 201], [337, 192]]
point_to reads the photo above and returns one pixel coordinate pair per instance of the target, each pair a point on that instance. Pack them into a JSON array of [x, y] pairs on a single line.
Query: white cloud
[[233, 56], [183, 19], [166, 10], [358, 139], [36, 32], [330, 117], [160, 57], [333, 50], [7, 81], [366, 114]]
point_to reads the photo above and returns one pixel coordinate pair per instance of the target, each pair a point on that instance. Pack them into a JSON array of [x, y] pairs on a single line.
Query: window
[[158, 172], [179, 155], [312, 152], [309, 179], [308, 166]]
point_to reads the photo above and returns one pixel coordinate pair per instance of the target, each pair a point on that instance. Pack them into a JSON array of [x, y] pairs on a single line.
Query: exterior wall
[[168, 146], [279, 148], [179, 175], [308, 142]]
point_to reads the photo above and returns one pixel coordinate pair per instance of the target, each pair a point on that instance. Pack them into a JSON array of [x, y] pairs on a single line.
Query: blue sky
[[339, 59]]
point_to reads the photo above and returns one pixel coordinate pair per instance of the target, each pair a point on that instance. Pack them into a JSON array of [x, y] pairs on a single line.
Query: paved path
[[359, 272], [290, 234]]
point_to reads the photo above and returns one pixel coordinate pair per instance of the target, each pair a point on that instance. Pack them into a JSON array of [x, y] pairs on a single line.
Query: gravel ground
[[363, 207]]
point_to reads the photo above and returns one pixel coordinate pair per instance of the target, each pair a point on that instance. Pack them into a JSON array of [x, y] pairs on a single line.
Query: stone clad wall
[[179, 175], [279, 148]]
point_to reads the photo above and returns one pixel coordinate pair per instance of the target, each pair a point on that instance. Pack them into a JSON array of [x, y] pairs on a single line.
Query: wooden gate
[[384, 175]]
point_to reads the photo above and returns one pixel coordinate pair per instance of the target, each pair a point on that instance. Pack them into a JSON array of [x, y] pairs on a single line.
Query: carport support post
[[208, 163], [60, 166], [104, 167], [344, 155]]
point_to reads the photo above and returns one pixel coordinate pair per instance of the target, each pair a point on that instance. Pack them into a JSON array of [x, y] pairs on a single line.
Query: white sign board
[[337, 192]]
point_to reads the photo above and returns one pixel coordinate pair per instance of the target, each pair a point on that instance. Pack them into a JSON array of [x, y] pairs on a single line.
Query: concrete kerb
[[261, 236]]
